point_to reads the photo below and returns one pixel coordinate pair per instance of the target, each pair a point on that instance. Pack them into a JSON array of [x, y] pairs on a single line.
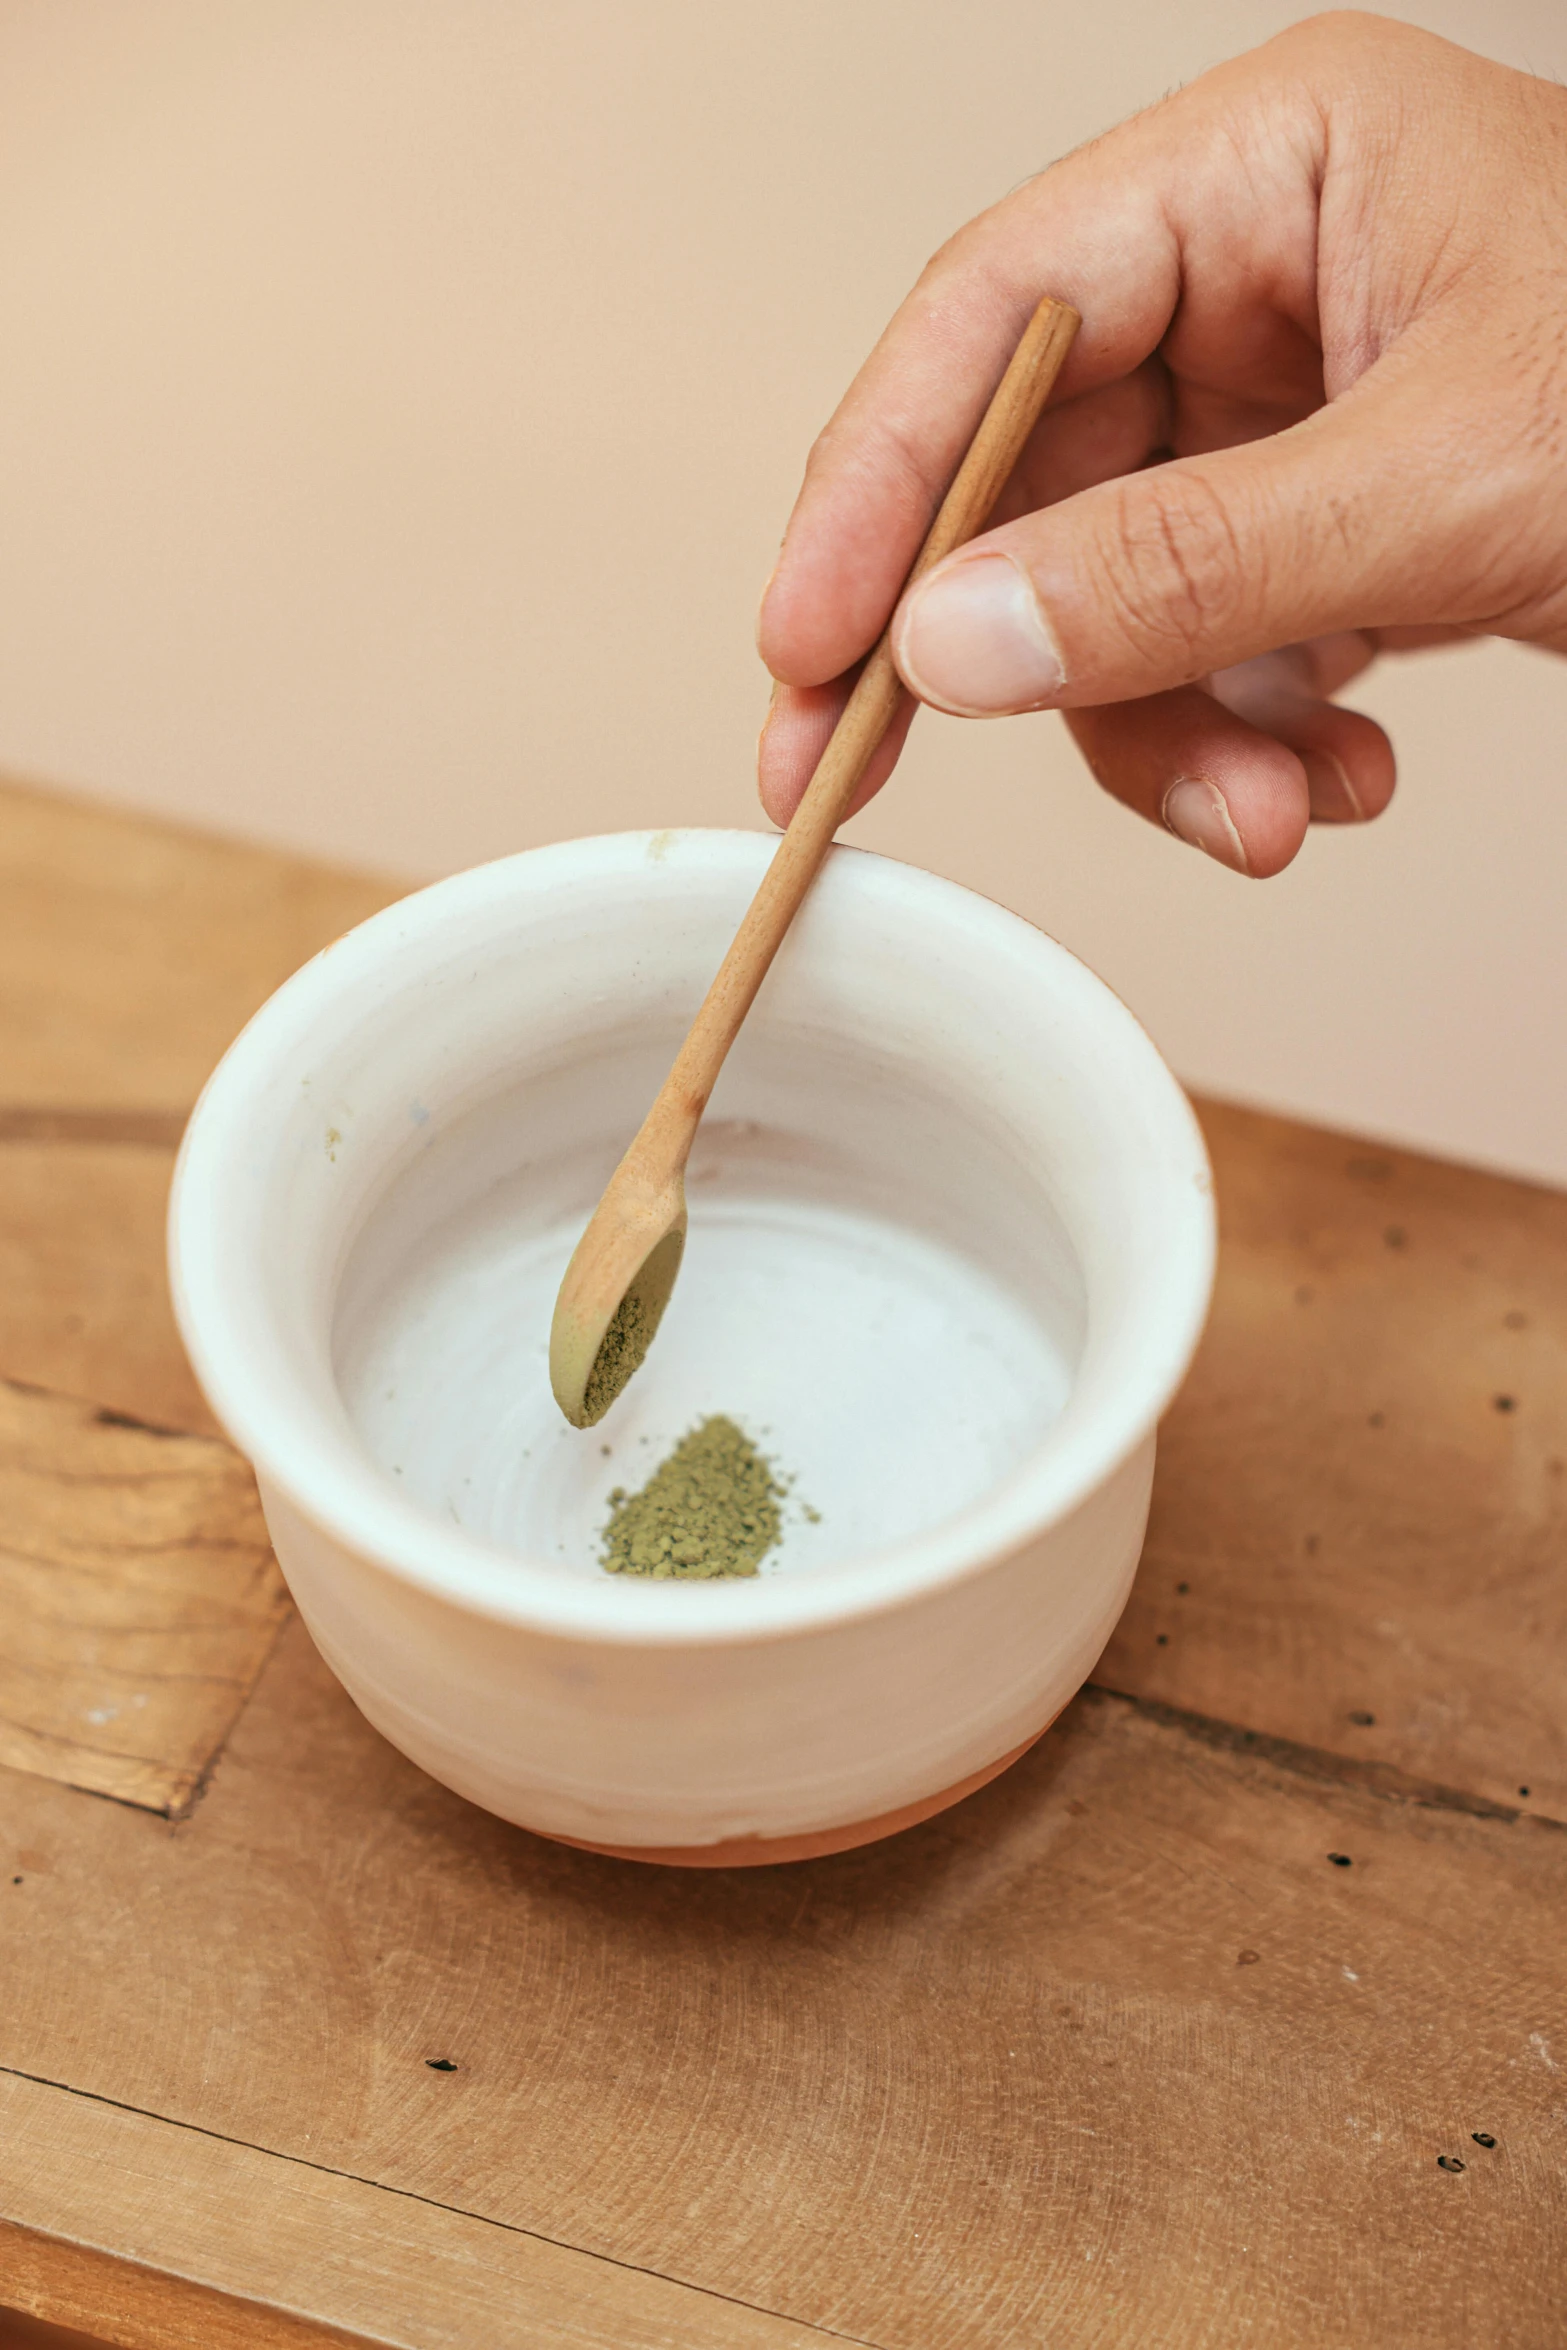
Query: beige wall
[[399, 405]]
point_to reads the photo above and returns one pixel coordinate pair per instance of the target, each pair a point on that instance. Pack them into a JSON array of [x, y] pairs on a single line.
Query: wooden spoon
[[619, 1279]]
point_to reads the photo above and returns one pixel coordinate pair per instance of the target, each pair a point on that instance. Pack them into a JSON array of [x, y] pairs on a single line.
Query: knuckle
[[1171, 569], [1346, 35]]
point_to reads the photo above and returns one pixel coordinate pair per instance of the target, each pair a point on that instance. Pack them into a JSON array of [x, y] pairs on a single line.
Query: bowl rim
[[336, 1487]]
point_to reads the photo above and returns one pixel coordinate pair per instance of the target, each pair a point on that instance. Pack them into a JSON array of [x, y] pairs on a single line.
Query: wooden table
[[1195, 2029]]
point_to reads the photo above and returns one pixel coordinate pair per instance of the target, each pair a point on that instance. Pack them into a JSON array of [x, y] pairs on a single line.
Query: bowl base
[[755, 1852]]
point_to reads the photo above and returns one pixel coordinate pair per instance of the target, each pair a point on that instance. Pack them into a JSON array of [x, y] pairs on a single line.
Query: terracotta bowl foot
[[753, 1852]]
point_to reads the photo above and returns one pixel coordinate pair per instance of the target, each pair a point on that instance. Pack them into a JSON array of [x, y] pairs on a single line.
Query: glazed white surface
[[952, 1238], [891, 1383], [825, 1302]]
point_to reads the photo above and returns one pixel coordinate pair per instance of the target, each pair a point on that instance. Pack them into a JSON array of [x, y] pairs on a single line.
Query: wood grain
[[21, 2332], [131, 953], [133, 1129], [84, 1300], [1011, 2077], [138, 1595], [250, 2246], [1360, 1514]]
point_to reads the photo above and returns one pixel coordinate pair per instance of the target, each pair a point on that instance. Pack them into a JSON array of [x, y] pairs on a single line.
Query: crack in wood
[[1322, 1763], [434, 2203]]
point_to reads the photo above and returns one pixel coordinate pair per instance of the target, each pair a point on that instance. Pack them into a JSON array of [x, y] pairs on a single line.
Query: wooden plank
[[138, 1594], [20, 2332], [222, 2244], [84, 1300], [132, 952], [136, 2308], [1114, 2053], [1360, 1517]]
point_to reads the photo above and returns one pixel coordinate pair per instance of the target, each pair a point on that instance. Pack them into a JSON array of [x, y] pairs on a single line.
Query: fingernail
[[973, 639], [1334, 799], [1195, 811], [772, 704]]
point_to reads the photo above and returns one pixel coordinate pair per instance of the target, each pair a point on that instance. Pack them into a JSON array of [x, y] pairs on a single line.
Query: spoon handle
[[1014, 410]]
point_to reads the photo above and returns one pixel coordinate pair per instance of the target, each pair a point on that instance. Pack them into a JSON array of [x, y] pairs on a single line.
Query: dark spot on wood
[[1396, 1236], [1248, 1957], [1162, 1640], [1515, 1321], [1076, 1806], [109, 1419], [1482, 2137], [1523, 1791], [16, 1880], [1183, 1588], [1448, 2162], [1375, 1420], [1504, 1403], [1369, 1170], [1303, 1296], [1363, 1721], [440, 2064], [1313, 1542], [1340, 1860]]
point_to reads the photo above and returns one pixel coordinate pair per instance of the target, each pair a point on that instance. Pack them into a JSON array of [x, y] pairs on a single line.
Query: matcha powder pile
[[712, 1509]]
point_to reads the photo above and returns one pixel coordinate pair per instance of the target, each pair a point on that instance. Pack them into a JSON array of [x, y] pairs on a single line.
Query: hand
[[1317, 409]]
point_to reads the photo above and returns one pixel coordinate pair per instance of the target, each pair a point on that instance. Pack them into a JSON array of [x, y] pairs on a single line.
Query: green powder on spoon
[[621, 1352], [710, 1510]]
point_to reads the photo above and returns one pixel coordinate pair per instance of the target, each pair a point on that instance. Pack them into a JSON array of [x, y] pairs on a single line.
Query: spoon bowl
[[614, 1294]]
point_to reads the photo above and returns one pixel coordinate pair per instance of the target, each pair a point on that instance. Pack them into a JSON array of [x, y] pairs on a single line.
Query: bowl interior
[[885, 1300]]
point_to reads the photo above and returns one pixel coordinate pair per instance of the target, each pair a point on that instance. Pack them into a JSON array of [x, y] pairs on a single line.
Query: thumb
[[1346, 521]]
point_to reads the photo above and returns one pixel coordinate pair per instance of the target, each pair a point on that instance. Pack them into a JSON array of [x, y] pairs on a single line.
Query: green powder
[[712, 1509], [633, 1325], [620, 1353]]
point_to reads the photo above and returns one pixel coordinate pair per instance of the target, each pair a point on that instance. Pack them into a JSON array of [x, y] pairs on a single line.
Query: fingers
[[1206, 206], [1089, 440], [1240, 767], [1184, 761], [1093, 438], [794, 736], [882, 467], [1161, 578], [879, 471], [1143, 597], [1348, 759]]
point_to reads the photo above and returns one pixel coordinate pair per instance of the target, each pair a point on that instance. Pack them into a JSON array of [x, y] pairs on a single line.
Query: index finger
[[1205, 205], [880, 468]]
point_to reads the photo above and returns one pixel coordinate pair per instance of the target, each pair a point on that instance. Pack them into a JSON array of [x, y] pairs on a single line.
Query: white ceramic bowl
[[951, 1248]]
